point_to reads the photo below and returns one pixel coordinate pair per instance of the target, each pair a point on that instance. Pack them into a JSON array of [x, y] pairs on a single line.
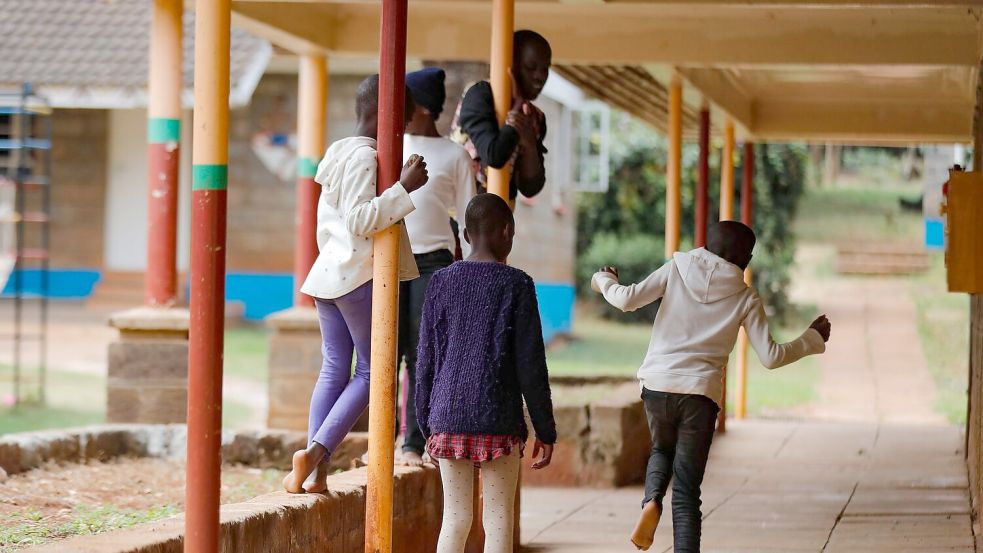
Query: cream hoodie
[[349, 214], [705, 302]]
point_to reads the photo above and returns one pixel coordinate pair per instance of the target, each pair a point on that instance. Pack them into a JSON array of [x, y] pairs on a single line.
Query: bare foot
[[320, 483], [304, 463], [411, 459], [644, 533]]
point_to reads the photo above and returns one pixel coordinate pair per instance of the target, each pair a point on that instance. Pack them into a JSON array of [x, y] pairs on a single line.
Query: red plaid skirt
[[474, 447]]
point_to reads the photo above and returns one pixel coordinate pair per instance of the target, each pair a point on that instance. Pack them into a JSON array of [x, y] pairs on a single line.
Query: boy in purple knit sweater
[[480, 354]]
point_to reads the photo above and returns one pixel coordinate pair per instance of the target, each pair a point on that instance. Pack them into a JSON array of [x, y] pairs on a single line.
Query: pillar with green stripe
[[163, 139], [312, 97]]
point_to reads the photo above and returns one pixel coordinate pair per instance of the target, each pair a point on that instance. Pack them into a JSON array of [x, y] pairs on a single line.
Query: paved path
[[775, 487], [874, 368]]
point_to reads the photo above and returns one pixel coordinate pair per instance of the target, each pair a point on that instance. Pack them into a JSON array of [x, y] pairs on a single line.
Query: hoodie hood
[[708, 277], [331, 169]]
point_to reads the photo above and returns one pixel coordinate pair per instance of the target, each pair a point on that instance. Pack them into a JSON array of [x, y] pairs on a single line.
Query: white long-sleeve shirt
[[348, 214], [704, 303], [450, 187]]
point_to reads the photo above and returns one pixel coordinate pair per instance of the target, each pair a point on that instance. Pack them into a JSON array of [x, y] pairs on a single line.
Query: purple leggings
[[339, 399]]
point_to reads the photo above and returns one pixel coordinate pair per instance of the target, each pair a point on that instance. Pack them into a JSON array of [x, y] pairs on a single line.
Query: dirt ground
[[51, 503]]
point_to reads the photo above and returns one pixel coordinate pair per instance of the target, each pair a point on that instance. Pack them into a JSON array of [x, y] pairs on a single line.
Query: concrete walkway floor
[[778, 487]]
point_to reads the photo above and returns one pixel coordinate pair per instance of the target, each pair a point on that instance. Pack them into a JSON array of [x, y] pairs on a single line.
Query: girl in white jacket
[[348, 214], [704, 303]]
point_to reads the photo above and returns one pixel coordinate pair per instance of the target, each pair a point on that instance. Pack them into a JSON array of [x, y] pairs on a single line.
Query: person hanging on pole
[[520, 140], [433, 238], [349, 214]]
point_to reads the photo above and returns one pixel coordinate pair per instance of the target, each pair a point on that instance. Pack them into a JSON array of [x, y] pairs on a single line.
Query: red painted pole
[[747, 186], [385, 284], [164, 139], [210, 160], [703, 180]]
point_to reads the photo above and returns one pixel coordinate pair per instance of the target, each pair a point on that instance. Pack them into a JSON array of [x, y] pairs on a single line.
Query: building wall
[[78, 190], [100, 195]]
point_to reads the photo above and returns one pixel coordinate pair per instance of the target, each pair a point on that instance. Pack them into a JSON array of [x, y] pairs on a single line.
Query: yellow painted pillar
[[385, 284], [503, 27], [740, 399], [210, 170], [726, 214], [312, 104], [674, 165]]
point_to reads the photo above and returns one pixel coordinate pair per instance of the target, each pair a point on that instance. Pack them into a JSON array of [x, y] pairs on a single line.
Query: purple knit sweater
[[480, 353]]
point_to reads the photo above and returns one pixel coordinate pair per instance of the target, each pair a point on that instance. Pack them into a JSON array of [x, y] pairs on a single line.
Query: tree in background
[[625, 226]]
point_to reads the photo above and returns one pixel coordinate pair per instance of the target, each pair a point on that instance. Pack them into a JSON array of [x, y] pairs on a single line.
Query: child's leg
[[457, 479], [499, 479], [697, 418], [337, 349], [662, 427], [356, 309]]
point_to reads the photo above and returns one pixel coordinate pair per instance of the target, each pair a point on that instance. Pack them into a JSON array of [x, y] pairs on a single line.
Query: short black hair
[[367, 97], [526, 37], [487, 214], [731, 240]]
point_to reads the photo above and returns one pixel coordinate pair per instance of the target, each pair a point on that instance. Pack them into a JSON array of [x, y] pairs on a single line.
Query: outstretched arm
[[633, 296], [773, 354]]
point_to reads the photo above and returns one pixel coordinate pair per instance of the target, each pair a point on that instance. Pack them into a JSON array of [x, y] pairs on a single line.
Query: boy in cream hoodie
[[704, 303]]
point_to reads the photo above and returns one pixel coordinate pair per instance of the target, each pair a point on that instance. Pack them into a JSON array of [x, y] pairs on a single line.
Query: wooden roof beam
[[637, 33]]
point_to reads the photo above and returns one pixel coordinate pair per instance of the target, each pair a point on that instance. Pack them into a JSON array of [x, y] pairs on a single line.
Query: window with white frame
[[589, 127]]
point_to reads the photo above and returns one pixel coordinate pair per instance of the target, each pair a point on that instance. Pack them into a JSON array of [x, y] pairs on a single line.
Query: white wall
[[126, 197]]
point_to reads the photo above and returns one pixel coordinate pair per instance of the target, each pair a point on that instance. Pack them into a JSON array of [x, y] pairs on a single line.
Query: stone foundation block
[[148, 367]]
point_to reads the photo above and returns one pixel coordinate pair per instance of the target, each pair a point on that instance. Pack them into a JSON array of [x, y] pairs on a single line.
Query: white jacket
[[348, 214], [704, 303]]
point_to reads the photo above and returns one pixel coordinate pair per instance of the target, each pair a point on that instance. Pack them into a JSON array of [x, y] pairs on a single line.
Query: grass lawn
[[76, 399], [73, 400], [834, 215], [246, 351], [943, 324]]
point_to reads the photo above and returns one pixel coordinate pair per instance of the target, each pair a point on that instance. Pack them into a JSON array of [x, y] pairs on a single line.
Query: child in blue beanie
[[433, 240]]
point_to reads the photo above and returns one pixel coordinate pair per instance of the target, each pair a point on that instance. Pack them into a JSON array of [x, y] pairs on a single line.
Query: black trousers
[[682, 427], [411, 297]]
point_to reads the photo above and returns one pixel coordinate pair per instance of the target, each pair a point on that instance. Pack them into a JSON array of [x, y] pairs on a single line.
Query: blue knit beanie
[[427, 87]]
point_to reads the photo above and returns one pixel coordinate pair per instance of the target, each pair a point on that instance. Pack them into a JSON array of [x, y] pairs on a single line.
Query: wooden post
[[703, 180], [726, 214], [312, 105], [385, 284], [503, 25], [674, 165], [208, 228], [747, 212], [164, 139]]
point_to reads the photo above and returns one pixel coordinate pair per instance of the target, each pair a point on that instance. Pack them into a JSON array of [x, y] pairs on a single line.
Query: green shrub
[[636, 257]]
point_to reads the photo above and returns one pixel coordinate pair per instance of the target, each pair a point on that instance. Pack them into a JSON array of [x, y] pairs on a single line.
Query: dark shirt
[[496, 145], [481, 353]]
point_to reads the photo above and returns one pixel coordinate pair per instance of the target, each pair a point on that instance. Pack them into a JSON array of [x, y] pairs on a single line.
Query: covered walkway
[[780, 487]]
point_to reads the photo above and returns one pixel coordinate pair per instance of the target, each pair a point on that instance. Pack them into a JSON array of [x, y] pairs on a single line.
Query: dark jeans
[[682, 428], [411, 297]]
